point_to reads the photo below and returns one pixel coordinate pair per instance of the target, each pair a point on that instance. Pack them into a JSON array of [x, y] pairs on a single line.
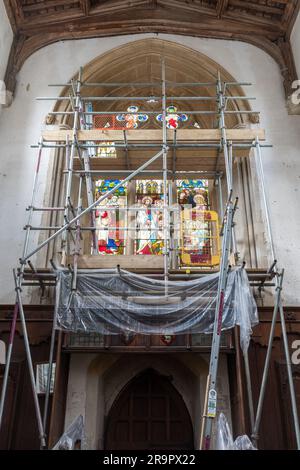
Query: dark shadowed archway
[[148, 414]]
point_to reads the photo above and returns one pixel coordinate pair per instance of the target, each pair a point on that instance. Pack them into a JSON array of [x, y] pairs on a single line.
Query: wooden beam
[[148, 136], [11, 15], [288, 15], [255, 7], [85, 6], [291, 21], [42, 6], [124, 261], [221, 7], [113, 17]]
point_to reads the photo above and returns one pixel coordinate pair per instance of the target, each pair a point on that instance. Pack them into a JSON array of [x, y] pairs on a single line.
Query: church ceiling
[[264, 23]]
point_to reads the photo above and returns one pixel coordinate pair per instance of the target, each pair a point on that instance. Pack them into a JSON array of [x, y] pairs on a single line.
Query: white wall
[[295, 40], [20, 126], [6, 37]]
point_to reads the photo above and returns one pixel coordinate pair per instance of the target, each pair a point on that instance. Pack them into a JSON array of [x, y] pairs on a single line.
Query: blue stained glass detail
[[107, 185]]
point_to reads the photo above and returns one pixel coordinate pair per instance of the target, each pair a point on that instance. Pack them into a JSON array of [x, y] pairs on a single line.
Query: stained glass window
[[107, 151], [110, 218], [193, 192], [149, 217], [133, 119], [197, 222], [42, 371], [173, 119], [196, 226]]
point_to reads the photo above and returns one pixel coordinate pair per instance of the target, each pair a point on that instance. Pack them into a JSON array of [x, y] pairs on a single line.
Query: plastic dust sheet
[[117, 301], [73, 437], [225, 440]]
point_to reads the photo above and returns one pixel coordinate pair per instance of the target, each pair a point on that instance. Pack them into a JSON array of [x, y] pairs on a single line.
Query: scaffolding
[[80, 145]]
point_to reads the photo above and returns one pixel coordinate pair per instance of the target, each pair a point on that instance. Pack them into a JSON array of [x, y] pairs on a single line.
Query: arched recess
[[149, 414], [140, 61], [106, 376]]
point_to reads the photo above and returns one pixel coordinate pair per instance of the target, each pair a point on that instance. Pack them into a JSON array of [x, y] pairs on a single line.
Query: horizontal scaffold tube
[[88, 209]]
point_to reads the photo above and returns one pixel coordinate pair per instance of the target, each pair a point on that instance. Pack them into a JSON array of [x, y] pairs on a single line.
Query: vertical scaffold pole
[[64, 237], [261, 174], [290, 375], [86, 122], [50, 368], [87, 154], [249, 387], [261, 397], [18, 309], [210, 410], [229, 158], [209, 413], [278, 307], [77, 236], [228, 155], [165, 175], [8, 360], [18, 282], [220, 196], [70, 160]]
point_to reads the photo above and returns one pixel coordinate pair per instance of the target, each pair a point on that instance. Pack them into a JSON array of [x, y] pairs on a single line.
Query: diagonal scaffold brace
[[278, 308], [19, 311], [18, 277], [210, 403]]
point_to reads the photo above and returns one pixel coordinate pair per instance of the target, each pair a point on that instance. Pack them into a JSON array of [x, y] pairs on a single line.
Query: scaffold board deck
[[182, 135]]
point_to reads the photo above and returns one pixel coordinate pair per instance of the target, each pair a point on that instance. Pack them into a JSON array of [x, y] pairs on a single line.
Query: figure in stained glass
[[109, 219], [149, 219], [133, 119], [173, 119], [195, 220]]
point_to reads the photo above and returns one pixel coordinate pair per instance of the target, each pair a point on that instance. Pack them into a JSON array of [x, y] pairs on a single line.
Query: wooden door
[[285, 402], [149, 414], [10, 413]]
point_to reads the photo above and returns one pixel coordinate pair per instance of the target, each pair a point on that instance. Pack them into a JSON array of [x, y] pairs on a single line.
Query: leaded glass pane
[[111, 218], [149, 217]]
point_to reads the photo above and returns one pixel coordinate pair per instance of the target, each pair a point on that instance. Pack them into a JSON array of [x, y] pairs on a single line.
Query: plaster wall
[[21, 123]]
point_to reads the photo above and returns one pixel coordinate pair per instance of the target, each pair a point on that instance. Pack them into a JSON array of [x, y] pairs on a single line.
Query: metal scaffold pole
[[19, 310], [210, 406], [165, 181], [91, 207], [86, 122], [209, 412], [277, 308], [74, 226], [18, 283], [70, 163], [50, 369], [228, 156]]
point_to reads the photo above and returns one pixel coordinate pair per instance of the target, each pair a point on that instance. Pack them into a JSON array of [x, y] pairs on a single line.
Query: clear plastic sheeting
[[118, 301], [225, 440], [73, 437]]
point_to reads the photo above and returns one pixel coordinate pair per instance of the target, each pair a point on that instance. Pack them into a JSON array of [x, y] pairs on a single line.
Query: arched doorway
[[149, 413]]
